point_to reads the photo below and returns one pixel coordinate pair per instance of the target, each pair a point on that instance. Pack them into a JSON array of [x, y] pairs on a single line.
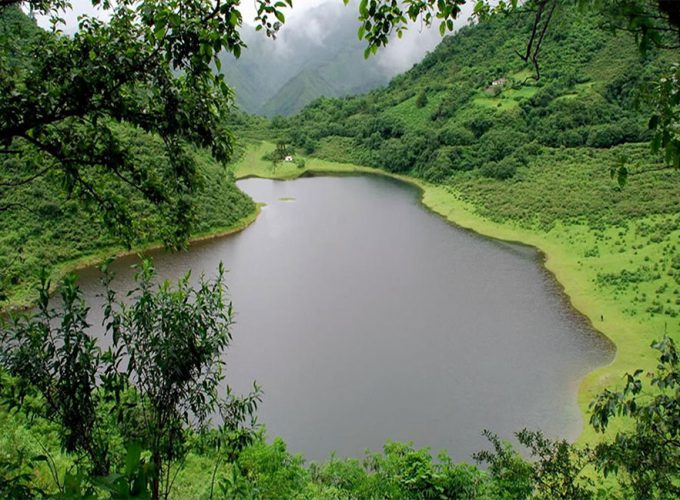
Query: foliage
[[664, 121], [53, 356], [595, 91], [649, 453], [148, 66], [157, 380], [656, 24], [54, 229]]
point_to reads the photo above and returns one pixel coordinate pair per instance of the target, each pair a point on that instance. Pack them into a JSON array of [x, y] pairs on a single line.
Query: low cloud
[[401, 54]]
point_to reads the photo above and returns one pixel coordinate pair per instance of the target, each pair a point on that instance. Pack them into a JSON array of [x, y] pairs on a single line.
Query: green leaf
[[134, 453], [72, 484], [363, 8]]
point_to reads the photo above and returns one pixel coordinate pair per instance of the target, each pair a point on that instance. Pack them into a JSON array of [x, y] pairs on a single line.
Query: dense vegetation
[[43, 225], [51, 230], [472, 104]]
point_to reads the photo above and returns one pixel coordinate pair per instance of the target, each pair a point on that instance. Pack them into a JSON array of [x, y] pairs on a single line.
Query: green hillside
[[45, 228], [280, 77], [445, 116]]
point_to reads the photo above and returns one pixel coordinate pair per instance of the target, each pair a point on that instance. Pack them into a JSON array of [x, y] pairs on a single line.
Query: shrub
[[501, 170]]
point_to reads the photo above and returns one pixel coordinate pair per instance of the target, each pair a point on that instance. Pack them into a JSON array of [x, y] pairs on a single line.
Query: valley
[[487, 241]]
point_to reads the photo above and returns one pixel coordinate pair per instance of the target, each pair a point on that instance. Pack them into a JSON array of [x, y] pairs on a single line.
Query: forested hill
[[44, 228], [309, 58], [447, 115]]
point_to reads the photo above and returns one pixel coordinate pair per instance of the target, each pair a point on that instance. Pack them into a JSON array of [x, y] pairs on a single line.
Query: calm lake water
[[364, 317]]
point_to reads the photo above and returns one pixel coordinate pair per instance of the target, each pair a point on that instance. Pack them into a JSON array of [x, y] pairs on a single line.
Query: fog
[[312, 22], [309, 21]]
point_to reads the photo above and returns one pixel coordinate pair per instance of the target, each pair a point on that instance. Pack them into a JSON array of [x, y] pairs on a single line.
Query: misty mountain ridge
[[315, 54]]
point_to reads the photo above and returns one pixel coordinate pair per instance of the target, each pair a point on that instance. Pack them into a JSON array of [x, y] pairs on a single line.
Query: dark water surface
[[364, 318]]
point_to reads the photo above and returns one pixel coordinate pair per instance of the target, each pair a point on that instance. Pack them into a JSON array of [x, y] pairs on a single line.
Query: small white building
[[499, 82], [288, 158]]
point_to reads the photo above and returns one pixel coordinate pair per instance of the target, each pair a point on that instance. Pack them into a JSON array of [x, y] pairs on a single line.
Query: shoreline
[[115, 252], [582, 296], [626, 335]]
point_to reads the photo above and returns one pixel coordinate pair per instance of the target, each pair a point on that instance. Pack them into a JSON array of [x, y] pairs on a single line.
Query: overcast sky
[[398, 56], [248, 9]]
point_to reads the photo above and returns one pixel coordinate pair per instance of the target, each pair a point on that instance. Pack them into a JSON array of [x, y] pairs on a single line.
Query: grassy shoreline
[[23, 300], [562, 257]]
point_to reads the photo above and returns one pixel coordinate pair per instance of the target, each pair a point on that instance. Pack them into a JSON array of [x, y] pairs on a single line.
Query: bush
[[605, 136], [501, 170], [455, 135], [421, 100]]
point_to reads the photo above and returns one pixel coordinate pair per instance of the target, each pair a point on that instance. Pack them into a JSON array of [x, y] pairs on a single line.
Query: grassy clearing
[[618, 276], [251, 164], [522, 75], [524, 92], [498, 102]]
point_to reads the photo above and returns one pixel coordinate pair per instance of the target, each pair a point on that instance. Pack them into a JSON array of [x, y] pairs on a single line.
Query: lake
[[364, 318]]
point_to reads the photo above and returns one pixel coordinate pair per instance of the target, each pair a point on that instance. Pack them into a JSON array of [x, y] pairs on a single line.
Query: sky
[[248, 9], [397, 57]]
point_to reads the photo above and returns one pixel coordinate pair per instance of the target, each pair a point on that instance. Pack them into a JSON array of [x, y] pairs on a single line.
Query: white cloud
[[401, 54], [70, 16], [248, 10], [397, 57]]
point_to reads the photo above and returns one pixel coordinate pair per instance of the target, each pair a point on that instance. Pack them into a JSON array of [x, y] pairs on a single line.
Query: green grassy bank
[[612, 274], [59, 234]]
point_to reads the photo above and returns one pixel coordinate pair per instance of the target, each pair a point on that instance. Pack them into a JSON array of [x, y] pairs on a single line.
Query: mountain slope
[[314, 55], [329, 80], [42, 227], [300, 90], [446, 115]]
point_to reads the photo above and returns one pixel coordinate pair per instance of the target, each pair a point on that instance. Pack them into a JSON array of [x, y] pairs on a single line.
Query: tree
[[656, 21], [158, 380], [421, 100], [151, 67], [647, 457]]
